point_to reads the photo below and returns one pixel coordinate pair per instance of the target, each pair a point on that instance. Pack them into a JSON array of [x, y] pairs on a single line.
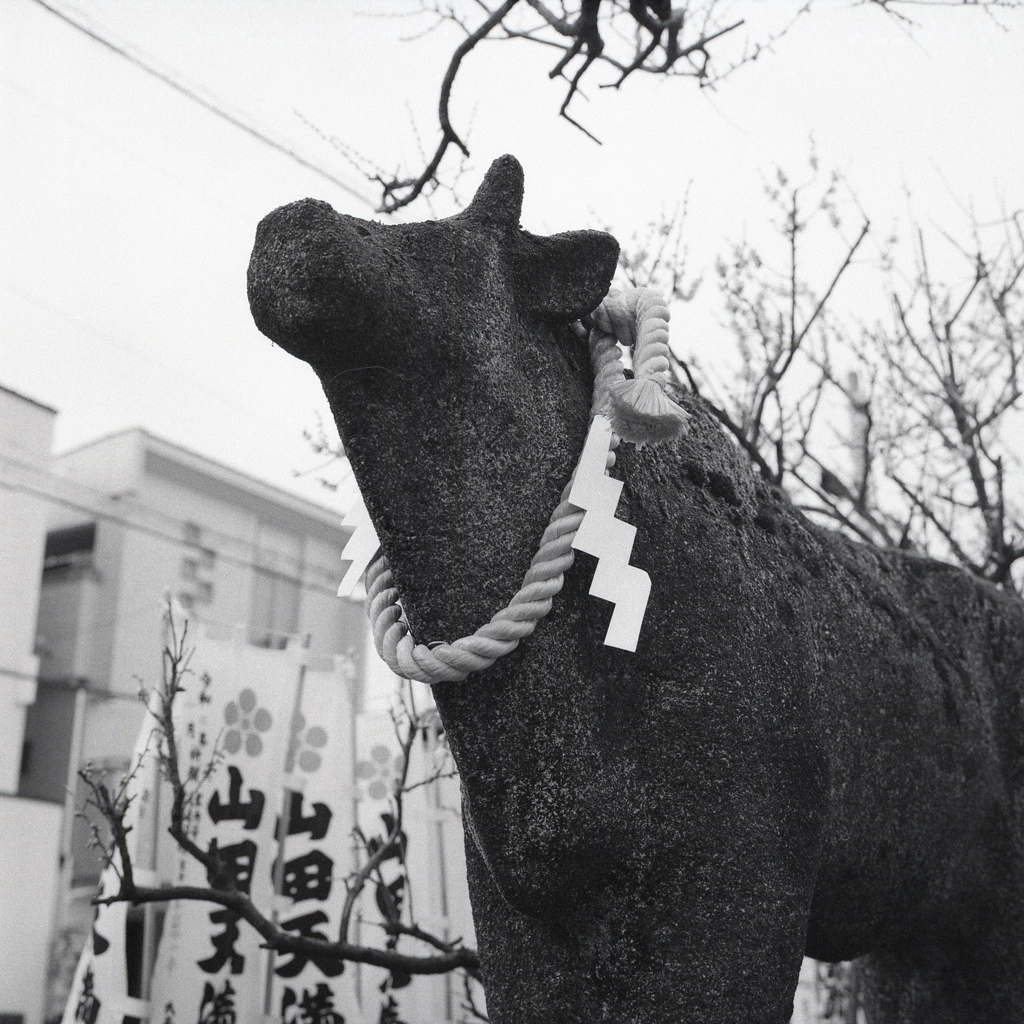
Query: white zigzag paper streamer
[[609, 539], [360, 548]]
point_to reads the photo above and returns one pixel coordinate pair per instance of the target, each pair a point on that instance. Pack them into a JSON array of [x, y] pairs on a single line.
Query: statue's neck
[[460, 481]]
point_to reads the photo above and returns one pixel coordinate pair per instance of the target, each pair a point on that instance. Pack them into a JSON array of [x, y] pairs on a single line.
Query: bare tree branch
[[921, 455], [696, 39], [401, 192], [112, 804]]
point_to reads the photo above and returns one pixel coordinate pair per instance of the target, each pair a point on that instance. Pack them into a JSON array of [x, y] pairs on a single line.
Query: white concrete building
[[133, 519], [26, 434], [29, 828], [127, 520]]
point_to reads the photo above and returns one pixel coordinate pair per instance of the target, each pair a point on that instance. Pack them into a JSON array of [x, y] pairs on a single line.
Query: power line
[[174, 372], [117, 145], [94, 512], [211, 104], [281, 429]]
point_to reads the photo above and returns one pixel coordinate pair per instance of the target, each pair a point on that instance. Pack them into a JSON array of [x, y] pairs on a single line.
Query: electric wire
[[174, 371], [93, 512], [212, 104]]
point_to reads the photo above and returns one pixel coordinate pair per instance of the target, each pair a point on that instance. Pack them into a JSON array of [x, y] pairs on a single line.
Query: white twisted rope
[[639, 409], [638, 317]]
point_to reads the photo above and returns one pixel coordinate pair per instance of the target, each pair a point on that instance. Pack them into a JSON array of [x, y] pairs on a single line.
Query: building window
[[197, 568], [275, 609], [69, 547], [278, 567]]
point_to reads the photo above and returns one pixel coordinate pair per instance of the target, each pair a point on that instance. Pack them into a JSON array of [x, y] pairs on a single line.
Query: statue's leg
[[628, 959]]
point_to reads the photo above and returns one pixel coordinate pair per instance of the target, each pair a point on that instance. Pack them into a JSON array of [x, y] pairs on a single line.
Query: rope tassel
[[639, 409]]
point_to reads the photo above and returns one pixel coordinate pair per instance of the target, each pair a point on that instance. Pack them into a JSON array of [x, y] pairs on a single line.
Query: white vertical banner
[[378, 766], [236, 707], [318, 851], [99, 992], [429, 888]]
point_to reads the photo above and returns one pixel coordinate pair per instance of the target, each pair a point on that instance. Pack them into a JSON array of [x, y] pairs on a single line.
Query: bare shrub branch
[[898, 431], [700, 40], [111, 803]]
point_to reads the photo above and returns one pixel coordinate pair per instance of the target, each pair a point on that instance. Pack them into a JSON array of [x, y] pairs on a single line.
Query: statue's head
[[343, 293]]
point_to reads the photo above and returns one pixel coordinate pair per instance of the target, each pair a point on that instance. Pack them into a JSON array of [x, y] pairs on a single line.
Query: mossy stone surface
[[817, 745]]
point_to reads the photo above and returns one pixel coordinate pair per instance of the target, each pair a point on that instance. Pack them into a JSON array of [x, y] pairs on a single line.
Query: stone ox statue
[[817, 746]]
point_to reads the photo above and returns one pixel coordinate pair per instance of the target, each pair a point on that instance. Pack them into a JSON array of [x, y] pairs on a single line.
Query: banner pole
[[283, 821], [150, 909]]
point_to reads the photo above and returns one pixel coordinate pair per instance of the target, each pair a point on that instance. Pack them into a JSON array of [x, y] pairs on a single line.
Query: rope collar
[[635, 410]]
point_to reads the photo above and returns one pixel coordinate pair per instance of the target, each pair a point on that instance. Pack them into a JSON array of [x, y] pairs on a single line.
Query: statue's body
[[818, 746]]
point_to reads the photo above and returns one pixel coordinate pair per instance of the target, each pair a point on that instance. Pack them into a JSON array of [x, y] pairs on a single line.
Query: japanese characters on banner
[[99, 992], [210, 967], [433, 860], [318, 851], [269, 731], [378, 765], [260, 737]]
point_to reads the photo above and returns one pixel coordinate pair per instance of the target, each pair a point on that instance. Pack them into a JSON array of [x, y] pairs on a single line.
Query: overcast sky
[[127, 211]]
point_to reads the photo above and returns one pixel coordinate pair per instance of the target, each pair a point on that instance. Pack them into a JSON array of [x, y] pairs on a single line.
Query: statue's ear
[[560, 277], [564, 277], [499, 199]]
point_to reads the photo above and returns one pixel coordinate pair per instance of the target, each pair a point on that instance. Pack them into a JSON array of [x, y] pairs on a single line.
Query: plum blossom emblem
[[379, 771], [304, 745], [245, 721]]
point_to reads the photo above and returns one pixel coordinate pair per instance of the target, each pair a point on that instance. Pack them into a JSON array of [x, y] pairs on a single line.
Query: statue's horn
[[499, 199]]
